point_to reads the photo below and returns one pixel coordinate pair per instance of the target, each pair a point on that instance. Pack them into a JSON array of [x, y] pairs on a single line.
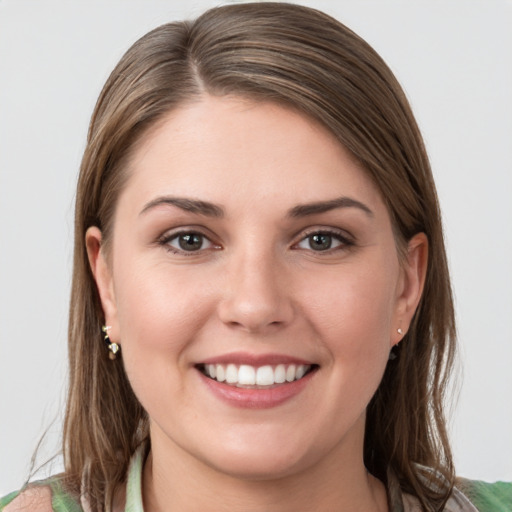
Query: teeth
[[290, 373], [280, 374], [231, 374], [265, 376], [301, 370], [246, 375], [221, 373]]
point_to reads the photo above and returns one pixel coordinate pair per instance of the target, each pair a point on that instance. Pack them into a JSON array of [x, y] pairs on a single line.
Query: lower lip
[[252, 398]]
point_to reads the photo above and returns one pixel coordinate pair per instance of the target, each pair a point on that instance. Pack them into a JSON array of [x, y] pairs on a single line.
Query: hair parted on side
[[307, 61]]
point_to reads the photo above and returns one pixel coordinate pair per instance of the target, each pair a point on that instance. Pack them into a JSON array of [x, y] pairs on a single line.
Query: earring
[[112, 346], [392, 352]]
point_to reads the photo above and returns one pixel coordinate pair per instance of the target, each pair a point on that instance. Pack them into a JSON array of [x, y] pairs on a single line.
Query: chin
[[260, 457], [258, 467]]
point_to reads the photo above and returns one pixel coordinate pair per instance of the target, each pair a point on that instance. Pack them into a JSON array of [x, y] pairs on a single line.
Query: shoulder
[[43, 496], [33, 499], [487, 497], [471, 496]]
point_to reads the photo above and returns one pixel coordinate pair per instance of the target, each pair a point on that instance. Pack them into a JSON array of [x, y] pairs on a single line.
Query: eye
[[322, 241], [188, 241]]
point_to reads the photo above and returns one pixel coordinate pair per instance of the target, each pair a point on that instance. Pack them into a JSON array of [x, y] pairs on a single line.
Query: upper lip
[[256, 360]]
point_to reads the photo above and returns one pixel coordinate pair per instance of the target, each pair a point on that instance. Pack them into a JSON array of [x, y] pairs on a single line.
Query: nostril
[[255, 301], [249, 325], [251, 317]]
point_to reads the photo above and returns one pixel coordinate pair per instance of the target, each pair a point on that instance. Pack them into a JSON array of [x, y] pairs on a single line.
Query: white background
[[454, 59]]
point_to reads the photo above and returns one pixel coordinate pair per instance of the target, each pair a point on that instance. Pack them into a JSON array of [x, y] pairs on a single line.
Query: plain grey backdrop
[[454, 59]]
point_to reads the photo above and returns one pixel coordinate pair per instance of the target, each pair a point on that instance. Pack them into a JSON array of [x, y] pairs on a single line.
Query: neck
[[175, 480]]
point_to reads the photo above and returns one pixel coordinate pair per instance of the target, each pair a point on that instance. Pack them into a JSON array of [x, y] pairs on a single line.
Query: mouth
[[256, 377]]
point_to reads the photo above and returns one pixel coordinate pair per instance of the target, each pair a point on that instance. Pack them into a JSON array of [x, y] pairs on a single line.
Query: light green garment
[[488, 497], [64, 502], [469, 495]]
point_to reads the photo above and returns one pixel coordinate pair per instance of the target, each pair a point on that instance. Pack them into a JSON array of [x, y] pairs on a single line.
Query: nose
[[256, 296]]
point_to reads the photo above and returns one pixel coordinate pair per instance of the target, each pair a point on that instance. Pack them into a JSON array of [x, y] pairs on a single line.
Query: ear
[[103, 277], [411, 284]]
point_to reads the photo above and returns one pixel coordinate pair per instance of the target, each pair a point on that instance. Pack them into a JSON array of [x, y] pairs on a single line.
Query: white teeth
[[265, 376], [301, 371], [231, 374], [247, 375], [290, 373], [280, 374], [221, 374]]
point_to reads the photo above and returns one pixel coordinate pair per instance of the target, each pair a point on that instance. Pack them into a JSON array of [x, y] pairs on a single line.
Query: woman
[[261, 314]]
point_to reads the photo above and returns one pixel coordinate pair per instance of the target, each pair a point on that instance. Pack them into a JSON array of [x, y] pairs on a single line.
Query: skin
[[258, 285]]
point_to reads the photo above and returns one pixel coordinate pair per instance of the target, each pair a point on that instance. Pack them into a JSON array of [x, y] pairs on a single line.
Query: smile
[[247, 376]]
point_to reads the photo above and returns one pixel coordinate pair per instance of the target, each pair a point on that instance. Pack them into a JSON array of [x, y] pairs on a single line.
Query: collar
[[134, 481]]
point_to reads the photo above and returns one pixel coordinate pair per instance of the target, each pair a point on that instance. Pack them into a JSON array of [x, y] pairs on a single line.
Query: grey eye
[[189, 242], [320, 242]]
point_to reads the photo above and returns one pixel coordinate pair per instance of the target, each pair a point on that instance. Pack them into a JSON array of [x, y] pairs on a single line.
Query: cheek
[[159, 317], [160, 311], [352, 311], [156, 305]]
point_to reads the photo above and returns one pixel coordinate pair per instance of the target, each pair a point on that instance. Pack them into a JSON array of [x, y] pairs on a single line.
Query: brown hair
[[304, 59]]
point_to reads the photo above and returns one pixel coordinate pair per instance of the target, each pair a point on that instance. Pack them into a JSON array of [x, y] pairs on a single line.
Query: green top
[[469, 494], [64, 502], [488, 497]]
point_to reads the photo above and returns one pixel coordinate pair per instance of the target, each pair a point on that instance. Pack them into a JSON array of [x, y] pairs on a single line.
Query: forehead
[[231, 149]]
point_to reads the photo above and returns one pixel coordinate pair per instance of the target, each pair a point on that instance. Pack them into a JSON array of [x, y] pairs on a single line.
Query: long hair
[[305, 60]]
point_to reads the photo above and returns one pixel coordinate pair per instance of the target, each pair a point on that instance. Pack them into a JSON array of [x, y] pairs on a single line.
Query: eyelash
[[345, 242], [167, 238]]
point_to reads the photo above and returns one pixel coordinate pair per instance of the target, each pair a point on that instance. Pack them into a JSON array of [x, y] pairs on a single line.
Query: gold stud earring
[[112, 346]]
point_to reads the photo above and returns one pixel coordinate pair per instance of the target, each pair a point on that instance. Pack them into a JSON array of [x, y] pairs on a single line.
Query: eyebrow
[[303, 210], [212, 210], [189, 205]]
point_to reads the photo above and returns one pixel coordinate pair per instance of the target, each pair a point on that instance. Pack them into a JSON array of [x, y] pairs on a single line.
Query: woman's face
[[254, 287]]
